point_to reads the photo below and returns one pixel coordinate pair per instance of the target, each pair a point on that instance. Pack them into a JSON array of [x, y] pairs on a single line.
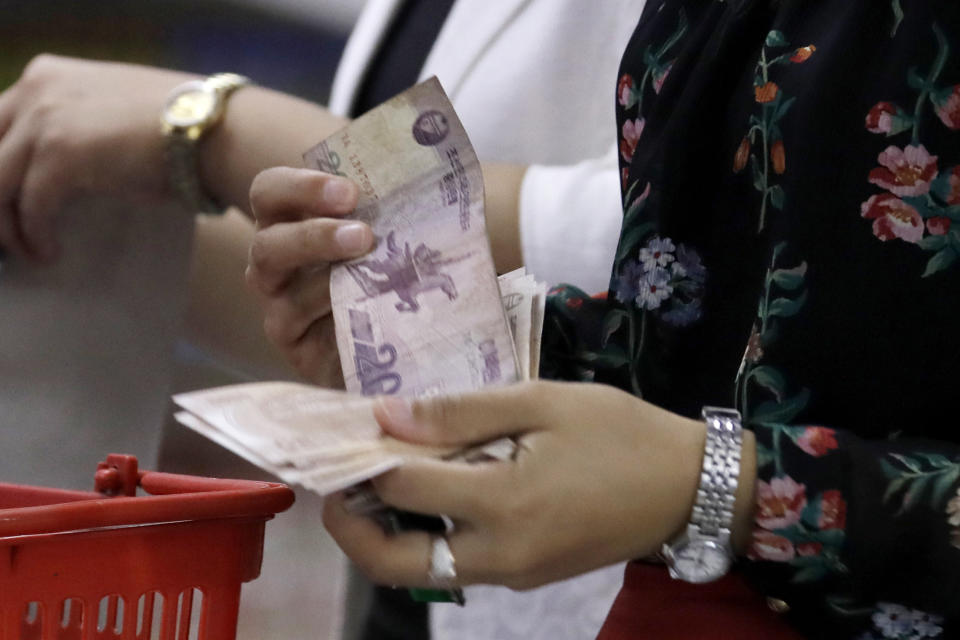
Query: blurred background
[[291, 45], [288, 45]]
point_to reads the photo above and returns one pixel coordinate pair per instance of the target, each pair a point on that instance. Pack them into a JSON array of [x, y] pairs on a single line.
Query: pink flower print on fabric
[[888, 118], [808, 549], [833, 510], [659, 76], [780, 503], [625, 91], [770, 546], [631, 135], [893, 218], [880, 117], [948, 110], [905, 172], [953, 196], [817, 441], [938, 226]]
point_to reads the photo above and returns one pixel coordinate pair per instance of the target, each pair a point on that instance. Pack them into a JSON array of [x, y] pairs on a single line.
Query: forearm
[[502, 184], [261, 128], [691, 438], [223, 317]]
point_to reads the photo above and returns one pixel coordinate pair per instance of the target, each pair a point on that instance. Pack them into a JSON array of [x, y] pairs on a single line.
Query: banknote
[[322, 439], [523, 299], [420, 314]]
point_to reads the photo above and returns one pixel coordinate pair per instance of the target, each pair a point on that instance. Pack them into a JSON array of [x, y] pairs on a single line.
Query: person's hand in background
[[71, 128]]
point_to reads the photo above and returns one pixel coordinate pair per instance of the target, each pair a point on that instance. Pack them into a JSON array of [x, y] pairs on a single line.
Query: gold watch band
[[183, 138]]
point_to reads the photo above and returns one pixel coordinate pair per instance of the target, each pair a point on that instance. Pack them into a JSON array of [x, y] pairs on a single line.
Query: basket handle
[[174, 498], [119, 475]]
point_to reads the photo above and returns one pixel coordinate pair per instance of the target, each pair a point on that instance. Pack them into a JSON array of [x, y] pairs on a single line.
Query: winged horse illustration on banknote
[[405, 272]]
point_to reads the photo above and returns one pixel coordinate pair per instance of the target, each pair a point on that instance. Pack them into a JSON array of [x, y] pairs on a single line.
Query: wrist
[[262, 128], [192, 111], [706, 548]]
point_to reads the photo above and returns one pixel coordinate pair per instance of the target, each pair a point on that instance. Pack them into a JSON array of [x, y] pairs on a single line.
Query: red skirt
[[653, 605]]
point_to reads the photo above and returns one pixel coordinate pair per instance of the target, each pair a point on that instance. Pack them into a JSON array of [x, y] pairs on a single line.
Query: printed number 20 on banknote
[[421, 314]]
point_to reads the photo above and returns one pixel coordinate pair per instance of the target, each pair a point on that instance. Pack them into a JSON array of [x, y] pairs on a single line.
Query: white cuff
[[570, 218]]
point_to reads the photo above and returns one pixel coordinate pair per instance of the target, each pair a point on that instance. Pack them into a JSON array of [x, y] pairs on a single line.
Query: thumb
[[463, 419]]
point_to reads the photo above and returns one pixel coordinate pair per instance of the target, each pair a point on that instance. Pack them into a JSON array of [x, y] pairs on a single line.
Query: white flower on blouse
[[926, 625], [657, 253], [899, 622], [893, 620], [654, 288]]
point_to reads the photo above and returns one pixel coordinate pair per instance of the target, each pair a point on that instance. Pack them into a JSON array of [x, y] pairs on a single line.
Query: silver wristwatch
[[191, 111], [703, 552]]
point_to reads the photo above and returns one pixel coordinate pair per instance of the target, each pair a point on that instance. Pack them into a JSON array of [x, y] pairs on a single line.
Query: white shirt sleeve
[[570, 218]]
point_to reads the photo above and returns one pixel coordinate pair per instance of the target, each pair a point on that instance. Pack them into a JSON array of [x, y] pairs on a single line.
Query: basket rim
[[173, 498]]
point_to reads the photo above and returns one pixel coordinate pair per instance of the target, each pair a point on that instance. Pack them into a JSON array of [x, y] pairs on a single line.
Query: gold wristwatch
[[191, 110]]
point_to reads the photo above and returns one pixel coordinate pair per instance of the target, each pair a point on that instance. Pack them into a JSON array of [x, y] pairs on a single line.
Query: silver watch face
[[700, 561]]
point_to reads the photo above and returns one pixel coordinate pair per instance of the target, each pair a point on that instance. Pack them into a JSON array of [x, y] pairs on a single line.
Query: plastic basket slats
[[77, 566]]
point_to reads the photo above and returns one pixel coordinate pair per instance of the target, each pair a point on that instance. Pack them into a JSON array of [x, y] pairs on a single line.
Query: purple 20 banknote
[[421, 314]]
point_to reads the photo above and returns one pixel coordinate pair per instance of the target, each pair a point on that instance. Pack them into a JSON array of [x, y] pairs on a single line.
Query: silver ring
[[443, 570]]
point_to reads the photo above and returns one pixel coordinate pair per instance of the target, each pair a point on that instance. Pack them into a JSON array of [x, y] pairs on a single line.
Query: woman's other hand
[[300, 231], [600, 477], [71, 128]]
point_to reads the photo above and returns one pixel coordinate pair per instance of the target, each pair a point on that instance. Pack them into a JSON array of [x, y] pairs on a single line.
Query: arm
[[222, 318], [72, 128], [601, 476]]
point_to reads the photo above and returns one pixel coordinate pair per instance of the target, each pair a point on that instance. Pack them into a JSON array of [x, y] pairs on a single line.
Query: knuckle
[[277, 329], [54, 141], [259, 190], [261, 253], [38, 67], [317, 238]]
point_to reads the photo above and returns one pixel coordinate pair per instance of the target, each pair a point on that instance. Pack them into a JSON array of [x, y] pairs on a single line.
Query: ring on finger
[[443, 569]]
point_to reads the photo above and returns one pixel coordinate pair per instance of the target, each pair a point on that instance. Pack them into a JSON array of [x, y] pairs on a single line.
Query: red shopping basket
[[165, 566]]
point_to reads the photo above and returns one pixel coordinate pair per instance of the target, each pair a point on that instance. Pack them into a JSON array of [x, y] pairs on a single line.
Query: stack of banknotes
[[422, 314]]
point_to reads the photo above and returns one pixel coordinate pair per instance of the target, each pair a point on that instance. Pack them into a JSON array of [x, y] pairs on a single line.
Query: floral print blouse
[[790, 244]]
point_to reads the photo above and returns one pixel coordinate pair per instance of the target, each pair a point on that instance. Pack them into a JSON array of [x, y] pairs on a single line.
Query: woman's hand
[[299, 233], [601, 476], [71, 128]]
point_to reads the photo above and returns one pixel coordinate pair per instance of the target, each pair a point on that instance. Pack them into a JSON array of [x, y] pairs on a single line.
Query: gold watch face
[[191, 107]]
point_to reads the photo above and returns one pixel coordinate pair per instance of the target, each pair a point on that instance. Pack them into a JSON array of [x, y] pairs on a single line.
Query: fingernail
[[338, 192], [399, 413], [352, 237]]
